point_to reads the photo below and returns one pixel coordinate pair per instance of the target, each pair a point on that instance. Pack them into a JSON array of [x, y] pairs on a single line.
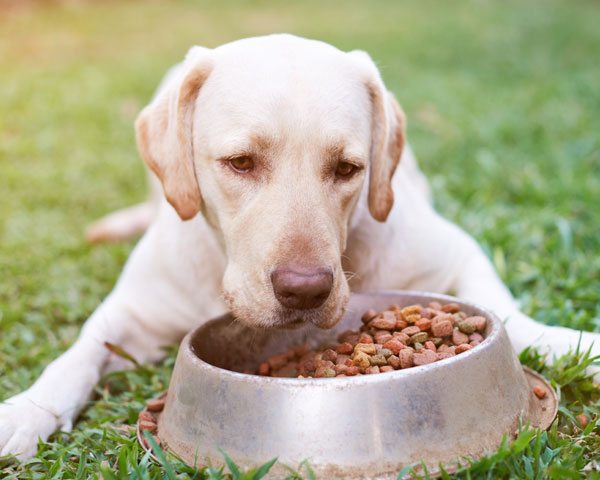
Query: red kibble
[[394, 345], [386, 368], [352, 371], [394, 361], [406, 358], [441, 329], [264, 369], [429, 345], [539, 392], [459, 338], [386, 322], [365, 338], [424, 324], [463, 348], [412, 330], [345, 348]]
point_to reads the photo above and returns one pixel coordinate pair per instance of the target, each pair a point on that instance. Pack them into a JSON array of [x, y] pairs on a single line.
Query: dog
[[284, 168]]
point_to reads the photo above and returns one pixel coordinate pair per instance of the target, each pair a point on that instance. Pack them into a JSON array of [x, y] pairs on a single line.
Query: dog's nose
[[302, 287]]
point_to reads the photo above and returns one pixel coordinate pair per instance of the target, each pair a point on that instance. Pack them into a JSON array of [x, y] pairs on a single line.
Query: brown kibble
[[459, 338], [394, 361], [345, 348], [539, 392], [401, 337], [368, 316], [400, 324], [329, 354], [264, 369], [382, 336], [406, 358], [150, 426], [343, 337], [341, 359], [303, 349], [479, 322], [412, 330], [462, 348], [365, 338], [582, 418], [394, 307], [425, 357], [424, 324], [451, 308], [146, 416], [386, 341], [386, 322], [441, 329], [155, 405], [277, 361]]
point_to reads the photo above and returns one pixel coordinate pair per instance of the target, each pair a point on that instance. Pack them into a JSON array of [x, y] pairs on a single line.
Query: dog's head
[[272, 138]]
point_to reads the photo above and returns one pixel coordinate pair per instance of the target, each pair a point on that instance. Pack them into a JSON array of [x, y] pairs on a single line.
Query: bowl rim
[[343, 382]]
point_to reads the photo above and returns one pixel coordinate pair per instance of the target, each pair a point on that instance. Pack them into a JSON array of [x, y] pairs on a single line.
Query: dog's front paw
[[22, 422]]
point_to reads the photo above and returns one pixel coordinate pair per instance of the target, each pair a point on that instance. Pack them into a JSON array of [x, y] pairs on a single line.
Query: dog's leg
[[477, 280], [127, 222], [163, 292], [56, 398]]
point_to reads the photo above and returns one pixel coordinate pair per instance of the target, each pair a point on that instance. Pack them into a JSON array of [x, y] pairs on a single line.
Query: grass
[[502, 100]]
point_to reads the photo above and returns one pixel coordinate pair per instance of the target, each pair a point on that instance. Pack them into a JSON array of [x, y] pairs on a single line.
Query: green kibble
[[329, 372], [437, 341], [378, 360], [466, 326], [292, 372], [420, 337], [385, 352], [418, 346]]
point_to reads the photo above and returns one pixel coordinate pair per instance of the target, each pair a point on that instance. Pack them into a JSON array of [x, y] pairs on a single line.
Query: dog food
[[147, 420], [395, 339]]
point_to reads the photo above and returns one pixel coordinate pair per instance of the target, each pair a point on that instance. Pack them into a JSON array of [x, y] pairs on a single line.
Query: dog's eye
[[241, 164], [345, 169]]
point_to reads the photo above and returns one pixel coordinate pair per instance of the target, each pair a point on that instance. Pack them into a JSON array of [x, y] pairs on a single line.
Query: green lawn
[[503, 107]]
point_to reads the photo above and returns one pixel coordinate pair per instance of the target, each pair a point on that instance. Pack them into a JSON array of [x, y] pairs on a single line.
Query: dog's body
[[184, 272]]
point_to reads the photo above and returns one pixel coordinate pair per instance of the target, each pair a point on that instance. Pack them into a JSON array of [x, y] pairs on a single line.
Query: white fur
[[173, 279]]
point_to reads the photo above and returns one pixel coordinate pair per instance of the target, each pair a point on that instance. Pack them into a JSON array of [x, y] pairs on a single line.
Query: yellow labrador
[[284, 167]]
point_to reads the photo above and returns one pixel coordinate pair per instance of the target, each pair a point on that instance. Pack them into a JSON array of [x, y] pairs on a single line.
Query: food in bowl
[[395, 339]]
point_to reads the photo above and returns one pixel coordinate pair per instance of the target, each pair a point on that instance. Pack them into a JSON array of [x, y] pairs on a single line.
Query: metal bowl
[[351, 427]]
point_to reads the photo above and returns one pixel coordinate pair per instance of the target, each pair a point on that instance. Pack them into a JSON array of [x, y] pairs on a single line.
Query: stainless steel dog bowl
[[353, 427]]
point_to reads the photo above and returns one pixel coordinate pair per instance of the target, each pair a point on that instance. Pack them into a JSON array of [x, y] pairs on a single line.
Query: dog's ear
[[387, 138], [164, 132]]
